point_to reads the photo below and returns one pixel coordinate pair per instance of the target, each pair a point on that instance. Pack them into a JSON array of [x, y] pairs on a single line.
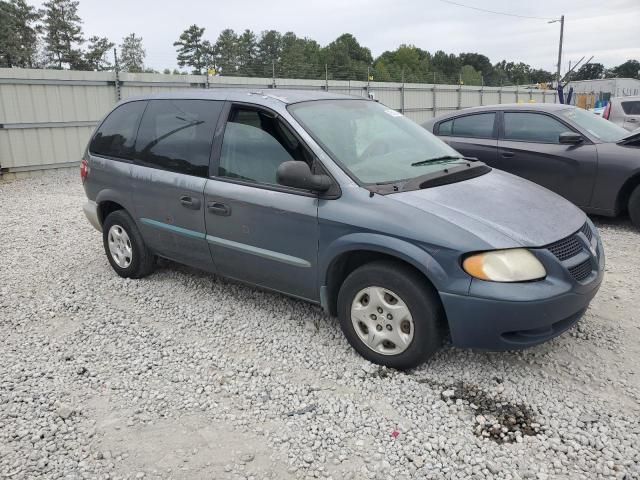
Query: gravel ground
[[184, 375]]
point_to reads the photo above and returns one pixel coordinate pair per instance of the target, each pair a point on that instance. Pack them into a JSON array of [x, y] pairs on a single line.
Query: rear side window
[[631, 108], [176, 135], [474, 126], [533, 127], [116, 136]]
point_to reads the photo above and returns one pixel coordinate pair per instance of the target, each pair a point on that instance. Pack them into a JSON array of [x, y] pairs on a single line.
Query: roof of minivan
[[253, 95]]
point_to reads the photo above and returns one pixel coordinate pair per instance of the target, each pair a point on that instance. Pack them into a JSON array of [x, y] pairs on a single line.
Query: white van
[[624, 111]]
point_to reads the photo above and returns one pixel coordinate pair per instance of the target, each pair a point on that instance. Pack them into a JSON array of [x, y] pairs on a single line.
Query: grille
[[581, 271], [586, 229], [566, 248]]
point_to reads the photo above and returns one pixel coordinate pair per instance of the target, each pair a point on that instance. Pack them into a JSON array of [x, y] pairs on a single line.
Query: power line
[[494, 11]]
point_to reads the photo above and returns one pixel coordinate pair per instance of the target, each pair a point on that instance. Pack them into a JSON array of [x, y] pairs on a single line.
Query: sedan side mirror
[[297, 174], [570, 138]]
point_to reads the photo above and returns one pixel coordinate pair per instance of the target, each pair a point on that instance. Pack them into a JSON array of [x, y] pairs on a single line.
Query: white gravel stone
[[185, 375]]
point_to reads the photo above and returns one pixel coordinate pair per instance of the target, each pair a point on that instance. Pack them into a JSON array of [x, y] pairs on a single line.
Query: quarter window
[[533, 127], [631, 108], [116, 136], [176, 135], [255, 143], [474, 126]]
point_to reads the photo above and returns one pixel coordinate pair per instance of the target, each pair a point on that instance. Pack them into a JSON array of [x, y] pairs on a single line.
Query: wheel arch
[[622, 200], [355, 250], [109, 201]]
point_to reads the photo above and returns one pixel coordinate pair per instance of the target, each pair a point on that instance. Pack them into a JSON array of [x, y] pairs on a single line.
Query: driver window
[[255, 144]]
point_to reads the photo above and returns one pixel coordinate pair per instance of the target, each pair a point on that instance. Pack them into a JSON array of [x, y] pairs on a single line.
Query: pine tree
[[132, 54], [96, 55], [18, 34], [63, 33], [194, 52]]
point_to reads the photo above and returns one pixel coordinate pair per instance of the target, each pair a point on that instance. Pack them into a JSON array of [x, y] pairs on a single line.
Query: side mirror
[[570, 138], [297, 174]]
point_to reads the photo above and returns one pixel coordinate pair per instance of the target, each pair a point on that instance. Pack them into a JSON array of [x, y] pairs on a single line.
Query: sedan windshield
[[374, 143], [602, 129]]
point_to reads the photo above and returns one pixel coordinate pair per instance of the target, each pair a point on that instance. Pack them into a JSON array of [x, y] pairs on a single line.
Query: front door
[[170, 172], [260, 232], [529, 148]]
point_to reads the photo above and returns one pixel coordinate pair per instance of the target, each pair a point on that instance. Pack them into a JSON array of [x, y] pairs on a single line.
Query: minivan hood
[[504, 210]]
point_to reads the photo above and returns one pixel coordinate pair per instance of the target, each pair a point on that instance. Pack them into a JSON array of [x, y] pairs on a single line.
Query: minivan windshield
[[602, 129], [374, 143]]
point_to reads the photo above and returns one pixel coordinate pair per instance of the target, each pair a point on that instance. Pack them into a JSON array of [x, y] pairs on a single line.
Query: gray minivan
[[346, 203]]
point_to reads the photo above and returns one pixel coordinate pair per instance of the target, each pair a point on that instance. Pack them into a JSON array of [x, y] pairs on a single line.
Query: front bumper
[[499, 316], [90, 209]]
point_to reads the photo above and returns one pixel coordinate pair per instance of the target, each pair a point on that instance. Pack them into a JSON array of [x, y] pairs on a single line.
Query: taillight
[[84, 169], [607, 111]]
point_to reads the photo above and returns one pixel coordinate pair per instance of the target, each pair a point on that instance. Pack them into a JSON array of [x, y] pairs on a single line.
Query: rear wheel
[[634, 206], [124, 246], [390, 315]]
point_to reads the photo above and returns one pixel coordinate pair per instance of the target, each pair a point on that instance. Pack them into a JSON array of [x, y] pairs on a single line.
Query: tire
[[634, 206], [124, 246], [375, 287]]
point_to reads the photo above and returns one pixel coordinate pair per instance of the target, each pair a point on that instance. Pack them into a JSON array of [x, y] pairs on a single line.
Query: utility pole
[[561, 20]]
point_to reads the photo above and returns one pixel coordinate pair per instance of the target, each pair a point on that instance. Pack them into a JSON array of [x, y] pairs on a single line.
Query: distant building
[[590, 93]]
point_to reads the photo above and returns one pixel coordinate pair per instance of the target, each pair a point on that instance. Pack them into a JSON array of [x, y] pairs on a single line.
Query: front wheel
[[634, 206], [390, 315]]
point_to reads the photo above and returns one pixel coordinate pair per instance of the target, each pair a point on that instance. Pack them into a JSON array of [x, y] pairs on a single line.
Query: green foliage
[[132, 54], [628, 69], [18, 34], [194, 52], [96, 55], [63, 34]]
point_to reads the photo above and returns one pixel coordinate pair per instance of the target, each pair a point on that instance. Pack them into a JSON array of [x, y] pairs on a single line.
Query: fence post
[[500, 95], [368, 82], [481, 90], [459, 92], [326, 78], [273, 74], [530, 94], [435, 98], [517, 93], [402, 93], [544, 96], [117, 71]]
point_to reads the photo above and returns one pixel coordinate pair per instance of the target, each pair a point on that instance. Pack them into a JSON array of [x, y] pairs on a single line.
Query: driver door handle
[[508, 154], [218, 208], [190, 202]]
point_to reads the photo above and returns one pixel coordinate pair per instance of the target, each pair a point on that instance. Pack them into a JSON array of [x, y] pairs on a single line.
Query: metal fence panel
[[46, 116]]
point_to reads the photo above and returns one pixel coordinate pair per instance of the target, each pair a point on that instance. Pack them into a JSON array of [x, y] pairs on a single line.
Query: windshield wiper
[[443, 159]]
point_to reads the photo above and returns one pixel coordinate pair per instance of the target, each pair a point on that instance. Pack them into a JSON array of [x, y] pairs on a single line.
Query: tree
[[132, 54], [247, 52], [227, 52], [18, 34], [347, 59], [194, 52], [63, 33], [628, 69], [95, 57], [448, 65], [588, 71], [470, 76]]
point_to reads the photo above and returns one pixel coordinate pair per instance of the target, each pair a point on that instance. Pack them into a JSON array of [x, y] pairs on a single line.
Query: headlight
[[517, 265]]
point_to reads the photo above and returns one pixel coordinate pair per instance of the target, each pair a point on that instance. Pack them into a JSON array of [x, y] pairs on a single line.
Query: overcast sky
[[607, 29]]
